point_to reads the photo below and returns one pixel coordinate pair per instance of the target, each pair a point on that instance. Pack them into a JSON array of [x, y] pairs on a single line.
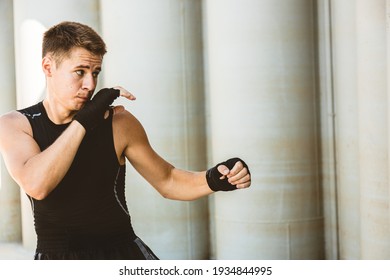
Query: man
[[68, 154]]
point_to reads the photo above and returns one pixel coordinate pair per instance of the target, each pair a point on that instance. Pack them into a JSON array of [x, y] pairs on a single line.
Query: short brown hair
[[60, 39]]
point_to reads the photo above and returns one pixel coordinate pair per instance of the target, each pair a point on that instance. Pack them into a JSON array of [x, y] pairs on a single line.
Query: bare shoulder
[[10, 116], [122, 116], [126, 122], [16, 138], [128, 132], [13, 122]]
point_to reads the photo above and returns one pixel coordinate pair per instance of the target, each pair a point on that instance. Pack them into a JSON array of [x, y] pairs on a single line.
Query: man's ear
[[47, 66]]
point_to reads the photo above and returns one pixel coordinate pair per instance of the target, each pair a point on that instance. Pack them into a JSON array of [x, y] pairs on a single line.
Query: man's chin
[[78, 107]]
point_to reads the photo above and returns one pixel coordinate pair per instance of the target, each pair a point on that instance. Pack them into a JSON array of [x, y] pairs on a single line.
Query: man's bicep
[[145, 159], [17, 146]]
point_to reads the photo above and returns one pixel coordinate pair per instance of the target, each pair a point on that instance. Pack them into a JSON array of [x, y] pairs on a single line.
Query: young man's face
[[74, 80]]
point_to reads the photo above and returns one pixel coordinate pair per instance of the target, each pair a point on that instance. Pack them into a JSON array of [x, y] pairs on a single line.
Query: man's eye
[[80, 72], [95, 74]]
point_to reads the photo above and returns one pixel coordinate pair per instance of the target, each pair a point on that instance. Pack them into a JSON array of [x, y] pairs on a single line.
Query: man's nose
[[89, 82]]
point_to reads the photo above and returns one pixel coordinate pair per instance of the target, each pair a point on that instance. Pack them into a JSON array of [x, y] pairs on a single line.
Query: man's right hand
[[94, 110], [119, 108]]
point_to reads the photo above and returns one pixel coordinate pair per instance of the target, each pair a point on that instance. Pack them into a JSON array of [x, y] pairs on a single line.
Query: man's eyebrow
[[88, 67]]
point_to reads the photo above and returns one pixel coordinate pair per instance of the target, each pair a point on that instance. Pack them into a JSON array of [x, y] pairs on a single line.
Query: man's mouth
[[83, 98]]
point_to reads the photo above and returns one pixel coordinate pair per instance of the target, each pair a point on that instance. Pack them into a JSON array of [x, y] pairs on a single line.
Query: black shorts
[[136, 250]]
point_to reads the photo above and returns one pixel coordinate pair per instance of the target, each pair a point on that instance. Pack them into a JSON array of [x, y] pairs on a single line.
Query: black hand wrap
[[93, 112], [213, 176]]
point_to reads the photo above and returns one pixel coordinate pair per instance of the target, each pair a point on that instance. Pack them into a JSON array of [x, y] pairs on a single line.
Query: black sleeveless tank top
[[87, 210]]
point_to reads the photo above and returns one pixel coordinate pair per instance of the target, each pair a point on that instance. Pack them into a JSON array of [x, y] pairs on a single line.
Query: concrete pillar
[[388, 79], [327, 128], [373, 128], [343, 28], [31, 19], [155, 51], [263, 108], [10, 217]]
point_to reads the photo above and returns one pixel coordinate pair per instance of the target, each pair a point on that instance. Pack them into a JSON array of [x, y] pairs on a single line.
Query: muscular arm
[[37, 172], [170, 182]]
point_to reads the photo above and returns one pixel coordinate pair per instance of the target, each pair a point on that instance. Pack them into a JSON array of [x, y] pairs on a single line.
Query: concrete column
[[388, 78], [373, 128], [343, 29], [10, 217], [31, 19], [327, 128], [155, 51], [263, 108]]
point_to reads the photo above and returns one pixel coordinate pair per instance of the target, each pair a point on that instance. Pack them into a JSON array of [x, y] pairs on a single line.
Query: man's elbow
[[34, 190], [40, 196], [172, 195], [165, 194]]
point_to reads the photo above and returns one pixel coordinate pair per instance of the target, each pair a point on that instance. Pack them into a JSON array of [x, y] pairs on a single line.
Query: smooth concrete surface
[[344, 74], [372, 87], [15, 251], [327, 129], [263, 101], [10, 215]]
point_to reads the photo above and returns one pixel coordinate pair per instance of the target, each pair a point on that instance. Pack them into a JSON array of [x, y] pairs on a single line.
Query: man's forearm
[[43, 172], [186, 185]]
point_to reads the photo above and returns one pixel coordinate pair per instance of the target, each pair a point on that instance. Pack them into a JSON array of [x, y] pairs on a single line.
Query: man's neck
[[56, 112]]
